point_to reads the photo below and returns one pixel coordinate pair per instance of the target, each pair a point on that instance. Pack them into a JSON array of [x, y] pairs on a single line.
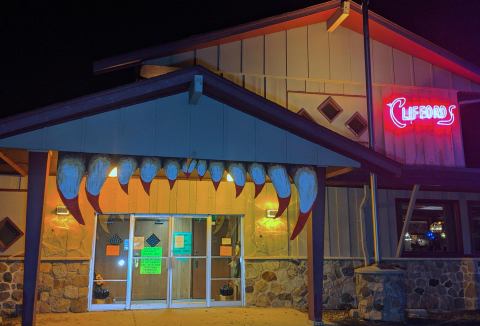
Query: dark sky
[[48, 47]]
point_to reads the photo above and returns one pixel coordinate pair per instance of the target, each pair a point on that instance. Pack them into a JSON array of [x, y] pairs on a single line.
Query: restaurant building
[[235, 172]]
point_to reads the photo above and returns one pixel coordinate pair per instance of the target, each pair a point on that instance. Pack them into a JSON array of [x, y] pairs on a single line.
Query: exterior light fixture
[[229, 178], [271, 213], [61, 210], [113, 173]]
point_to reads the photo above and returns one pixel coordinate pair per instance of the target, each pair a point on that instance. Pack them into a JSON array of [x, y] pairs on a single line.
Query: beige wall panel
[[357, 61], [276, 54], [441, 78], [422, 72], [276, 65], [297, 57], [230, 60], [402, 68], [276, 90], [340, 54], [318, 51], [208, 57], [252, 63], [382, 58], [13, 182]]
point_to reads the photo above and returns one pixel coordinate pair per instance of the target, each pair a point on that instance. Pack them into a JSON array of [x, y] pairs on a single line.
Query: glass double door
[[160, 261]]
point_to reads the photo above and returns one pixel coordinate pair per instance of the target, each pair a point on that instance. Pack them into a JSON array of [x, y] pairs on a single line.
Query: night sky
[[48, 47]]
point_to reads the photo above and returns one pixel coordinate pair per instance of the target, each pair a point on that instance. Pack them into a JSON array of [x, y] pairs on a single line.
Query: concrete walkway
[[181, 317]]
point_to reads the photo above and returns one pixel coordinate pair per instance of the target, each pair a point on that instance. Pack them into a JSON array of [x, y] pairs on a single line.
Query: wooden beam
[[39, 163], [315, 239], [338, 16], [337, 172], [408, 217], [12, 164], [196, 89]]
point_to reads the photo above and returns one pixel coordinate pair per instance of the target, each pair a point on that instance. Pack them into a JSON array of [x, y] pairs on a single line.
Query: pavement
[[180, 317]]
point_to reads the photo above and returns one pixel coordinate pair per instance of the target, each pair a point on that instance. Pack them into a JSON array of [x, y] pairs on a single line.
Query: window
[[474, 215], [434, 229]]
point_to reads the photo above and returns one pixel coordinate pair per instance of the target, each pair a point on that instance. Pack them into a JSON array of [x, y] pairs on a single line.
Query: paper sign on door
[[225, 251], [138, 243], [112, 250]]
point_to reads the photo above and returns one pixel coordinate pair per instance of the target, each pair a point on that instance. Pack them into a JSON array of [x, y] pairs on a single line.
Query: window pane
[[432, 229], [474, 213]]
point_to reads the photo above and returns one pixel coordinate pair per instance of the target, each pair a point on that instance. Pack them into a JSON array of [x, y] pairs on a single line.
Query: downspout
[[371, 135], [366, 258]]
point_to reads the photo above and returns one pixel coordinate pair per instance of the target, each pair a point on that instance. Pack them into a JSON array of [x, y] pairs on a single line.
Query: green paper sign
[[153, 265], [182, 243]]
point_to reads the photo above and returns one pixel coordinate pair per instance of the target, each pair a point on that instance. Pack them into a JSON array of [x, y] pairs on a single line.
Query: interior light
[[121, 262], [271, 213], [113, 173], [229, 178]]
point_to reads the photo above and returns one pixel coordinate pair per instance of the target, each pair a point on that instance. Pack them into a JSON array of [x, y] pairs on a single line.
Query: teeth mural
[[98, 169], [305, 180], [70, 171], [188, 166], [216, 169], [201, 168], [279, 177], [239, 175], [258, 175], [172, 167], [148, 170], [125, 169]]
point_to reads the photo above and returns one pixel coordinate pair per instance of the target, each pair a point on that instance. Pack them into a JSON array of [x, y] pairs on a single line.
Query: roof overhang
[[215, 87], [381, 30]]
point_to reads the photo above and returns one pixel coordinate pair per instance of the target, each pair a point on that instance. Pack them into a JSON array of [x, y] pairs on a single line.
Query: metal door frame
[[169, 302]]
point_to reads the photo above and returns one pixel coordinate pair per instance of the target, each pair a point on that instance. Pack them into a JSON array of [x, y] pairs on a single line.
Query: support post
[[315, 238], [371, 131], [408, 217], [38, 167]]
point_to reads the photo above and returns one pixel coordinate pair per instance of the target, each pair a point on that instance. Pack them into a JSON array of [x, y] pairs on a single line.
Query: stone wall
[[63, 286], [283, 283], [442, 285]]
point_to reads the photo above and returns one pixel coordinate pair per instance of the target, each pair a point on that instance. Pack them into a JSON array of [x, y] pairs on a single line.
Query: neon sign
[[402, 115]]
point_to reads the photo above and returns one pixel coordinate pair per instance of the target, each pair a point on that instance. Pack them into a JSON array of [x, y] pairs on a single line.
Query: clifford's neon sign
[[436, 113]]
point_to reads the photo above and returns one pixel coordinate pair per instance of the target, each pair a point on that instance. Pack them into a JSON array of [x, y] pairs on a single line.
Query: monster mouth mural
[[72, 167]]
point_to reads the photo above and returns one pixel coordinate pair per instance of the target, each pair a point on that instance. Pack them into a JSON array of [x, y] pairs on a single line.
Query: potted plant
[[226, 292]]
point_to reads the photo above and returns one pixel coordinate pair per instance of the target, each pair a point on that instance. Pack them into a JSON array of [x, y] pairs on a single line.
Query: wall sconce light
[[61, 210], [113, 173], [229, 177], [271, 213]]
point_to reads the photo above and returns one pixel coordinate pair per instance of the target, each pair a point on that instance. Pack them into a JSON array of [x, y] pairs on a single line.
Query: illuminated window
[[330, 109], [474, 215], [433, 230]]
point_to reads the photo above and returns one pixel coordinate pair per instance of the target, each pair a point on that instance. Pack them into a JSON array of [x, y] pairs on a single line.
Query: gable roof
[[381, 30], [215, 87]]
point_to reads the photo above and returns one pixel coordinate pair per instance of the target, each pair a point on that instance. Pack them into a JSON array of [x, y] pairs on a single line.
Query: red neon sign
[[403, 113]]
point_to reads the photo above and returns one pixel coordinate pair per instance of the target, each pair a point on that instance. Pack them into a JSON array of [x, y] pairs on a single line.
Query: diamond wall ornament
[[9, 233], [115, 239], [152, 240]]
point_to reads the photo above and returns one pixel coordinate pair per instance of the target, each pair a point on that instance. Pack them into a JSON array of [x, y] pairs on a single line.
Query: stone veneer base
[[435, 285]]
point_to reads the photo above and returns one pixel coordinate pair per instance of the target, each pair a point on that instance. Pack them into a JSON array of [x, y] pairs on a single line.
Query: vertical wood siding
[[286, 66]]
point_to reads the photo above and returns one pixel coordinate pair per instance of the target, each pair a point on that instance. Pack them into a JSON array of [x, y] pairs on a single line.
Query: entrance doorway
[[150, 261]]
